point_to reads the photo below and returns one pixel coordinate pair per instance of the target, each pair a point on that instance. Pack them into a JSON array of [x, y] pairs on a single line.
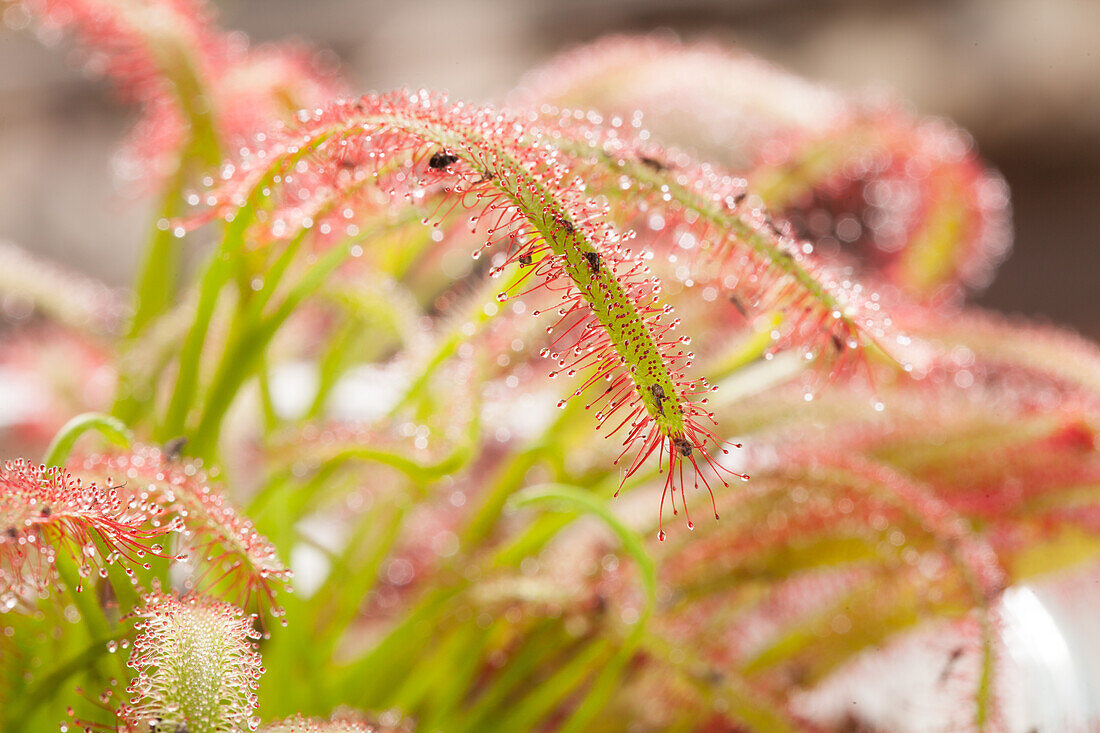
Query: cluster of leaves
[[382, 405]]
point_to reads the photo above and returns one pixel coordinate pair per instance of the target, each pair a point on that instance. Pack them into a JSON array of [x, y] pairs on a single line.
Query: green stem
[[753, 348], [20, 712], [175, 57], [552, 692], [267, 400], [62, 444], [537, 648], [218, 273], [738, 699], [373, 675], [587, 502], [460, 334], [331, 366], [155, 288], [605, 683], [243, 354]]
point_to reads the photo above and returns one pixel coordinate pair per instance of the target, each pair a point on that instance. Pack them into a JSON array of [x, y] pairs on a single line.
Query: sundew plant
[[644, 398]]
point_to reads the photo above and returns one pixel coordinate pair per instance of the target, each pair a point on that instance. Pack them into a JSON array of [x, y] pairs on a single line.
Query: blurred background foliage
[[1023, 76], [862, 529]]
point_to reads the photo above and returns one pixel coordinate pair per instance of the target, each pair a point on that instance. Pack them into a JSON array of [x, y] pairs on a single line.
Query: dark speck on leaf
[[593, 261], [173, 449], [441, 159], [956, 654], [659, 395]]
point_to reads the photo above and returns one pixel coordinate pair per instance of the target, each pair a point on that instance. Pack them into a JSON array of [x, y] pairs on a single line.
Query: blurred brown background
[[1022, 75]]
